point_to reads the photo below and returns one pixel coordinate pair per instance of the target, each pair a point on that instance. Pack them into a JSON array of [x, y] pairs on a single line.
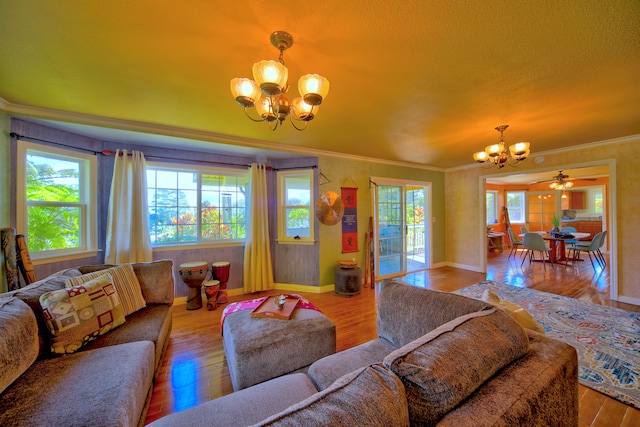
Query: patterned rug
[[607, 339]]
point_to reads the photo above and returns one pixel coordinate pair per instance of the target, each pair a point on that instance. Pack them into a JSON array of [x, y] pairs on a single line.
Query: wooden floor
[[194, 369]]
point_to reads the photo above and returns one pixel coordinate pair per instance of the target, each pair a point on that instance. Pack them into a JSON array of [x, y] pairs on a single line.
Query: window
[[195, 206], [56, 202], [295, 203], [596, 201], [492, 207], [516, 206]]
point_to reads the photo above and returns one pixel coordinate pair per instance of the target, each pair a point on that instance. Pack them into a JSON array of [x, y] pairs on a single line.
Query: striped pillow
[[125, 281]]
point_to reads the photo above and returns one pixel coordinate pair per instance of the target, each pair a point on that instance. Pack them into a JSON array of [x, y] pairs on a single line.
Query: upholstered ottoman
[[258, 349]]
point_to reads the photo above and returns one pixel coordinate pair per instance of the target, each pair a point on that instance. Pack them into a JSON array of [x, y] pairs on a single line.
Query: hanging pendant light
[[267, 91], [497, 154]]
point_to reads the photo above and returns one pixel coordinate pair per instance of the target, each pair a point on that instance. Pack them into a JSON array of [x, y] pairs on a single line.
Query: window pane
[[53, 227], [196, 206], [52, 180], [516, 206], [298, 222], [491, 208]]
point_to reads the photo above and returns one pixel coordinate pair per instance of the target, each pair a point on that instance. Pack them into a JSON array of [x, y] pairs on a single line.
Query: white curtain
[[258, 274], [128, 224]]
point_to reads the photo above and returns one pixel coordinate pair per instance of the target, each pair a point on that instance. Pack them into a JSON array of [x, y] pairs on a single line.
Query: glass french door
[[402, 235]]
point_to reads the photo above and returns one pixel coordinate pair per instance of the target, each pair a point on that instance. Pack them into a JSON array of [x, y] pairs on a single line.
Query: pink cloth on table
[[253, 303]]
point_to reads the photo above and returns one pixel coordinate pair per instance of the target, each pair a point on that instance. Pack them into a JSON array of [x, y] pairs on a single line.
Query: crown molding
[[179, 132]]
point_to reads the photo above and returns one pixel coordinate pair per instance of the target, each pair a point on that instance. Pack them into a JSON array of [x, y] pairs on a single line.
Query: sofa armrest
[[406, 312]]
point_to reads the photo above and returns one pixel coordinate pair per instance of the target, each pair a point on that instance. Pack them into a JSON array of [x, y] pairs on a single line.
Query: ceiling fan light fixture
[[271, 79], [498, 155]]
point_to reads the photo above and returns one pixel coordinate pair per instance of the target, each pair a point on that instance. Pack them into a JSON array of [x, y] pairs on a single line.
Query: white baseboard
[[629, 300], [464, 267]]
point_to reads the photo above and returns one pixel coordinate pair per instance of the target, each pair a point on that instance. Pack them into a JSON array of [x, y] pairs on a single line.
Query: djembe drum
[[193, 274], [220, 271], [211, 289]]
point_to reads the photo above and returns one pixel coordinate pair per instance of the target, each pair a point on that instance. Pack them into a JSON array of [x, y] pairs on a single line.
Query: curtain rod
[[15, 135], [111, 153]]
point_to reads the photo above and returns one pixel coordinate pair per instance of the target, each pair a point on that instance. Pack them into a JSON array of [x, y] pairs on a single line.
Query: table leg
[[552, 253]]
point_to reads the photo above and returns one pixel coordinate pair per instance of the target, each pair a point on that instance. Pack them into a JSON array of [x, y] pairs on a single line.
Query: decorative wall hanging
[[329, 208], [350, 219]]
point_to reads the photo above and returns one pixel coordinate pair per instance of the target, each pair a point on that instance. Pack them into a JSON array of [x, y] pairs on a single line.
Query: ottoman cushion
[[258, 349]]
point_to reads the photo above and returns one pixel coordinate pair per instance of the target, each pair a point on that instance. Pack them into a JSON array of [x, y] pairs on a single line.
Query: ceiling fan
[[562, 181]]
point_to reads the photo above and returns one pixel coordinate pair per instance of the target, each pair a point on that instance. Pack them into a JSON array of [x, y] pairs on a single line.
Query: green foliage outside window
[[53, 196]]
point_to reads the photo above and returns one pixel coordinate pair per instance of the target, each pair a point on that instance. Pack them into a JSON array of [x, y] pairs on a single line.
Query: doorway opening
[[402, 231]]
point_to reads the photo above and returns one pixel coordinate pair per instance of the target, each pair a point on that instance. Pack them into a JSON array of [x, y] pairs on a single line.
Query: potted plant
[[555, 221]]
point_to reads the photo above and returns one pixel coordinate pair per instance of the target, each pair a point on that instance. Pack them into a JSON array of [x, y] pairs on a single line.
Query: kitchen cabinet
[[575, 200]]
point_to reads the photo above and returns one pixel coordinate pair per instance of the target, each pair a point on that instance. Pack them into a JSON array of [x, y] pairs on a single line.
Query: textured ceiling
[[422, 82]]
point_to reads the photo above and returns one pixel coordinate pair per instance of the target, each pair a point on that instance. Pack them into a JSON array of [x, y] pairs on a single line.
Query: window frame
[[495, 206], [281, 177], [200, 170], [523, 197], [88, 203]]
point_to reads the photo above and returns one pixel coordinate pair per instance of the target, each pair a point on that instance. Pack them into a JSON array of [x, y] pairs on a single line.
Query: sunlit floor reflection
[[184, 376]]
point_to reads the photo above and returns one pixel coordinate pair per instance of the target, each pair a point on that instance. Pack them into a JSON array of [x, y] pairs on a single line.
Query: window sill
[[222, 244], [295, 242], [53, 258]]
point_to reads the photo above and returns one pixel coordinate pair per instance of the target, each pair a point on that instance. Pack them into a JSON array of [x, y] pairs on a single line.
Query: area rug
[[607, 339]]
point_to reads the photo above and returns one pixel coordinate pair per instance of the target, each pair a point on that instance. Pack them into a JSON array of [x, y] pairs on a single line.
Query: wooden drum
[[193, 274], [220, 271]]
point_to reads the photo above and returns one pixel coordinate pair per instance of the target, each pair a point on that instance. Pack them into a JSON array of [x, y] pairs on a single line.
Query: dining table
[[557, 254]]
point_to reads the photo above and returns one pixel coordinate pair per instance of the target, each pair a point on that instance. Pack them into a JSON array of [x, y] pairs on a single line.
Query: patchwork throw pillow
[[125, 281], [78, 315]]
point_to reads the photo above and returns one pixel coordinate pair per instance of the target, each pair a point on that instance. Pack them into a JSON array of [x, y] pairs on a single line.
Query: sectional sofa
[[82, 347], [440, 359]]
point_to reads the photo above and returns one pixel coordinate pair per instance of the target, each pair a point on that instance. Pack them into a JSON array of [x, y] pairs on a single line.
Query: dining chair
[[603, 239], [533, 242], [523, 229], [592, 247], [515, 242], [569, 242]]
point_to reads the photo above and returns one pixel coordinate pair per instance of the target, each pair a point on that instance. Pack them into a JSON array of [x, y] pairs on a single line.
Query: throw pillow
[[519, 314], [126, 283], [442, 368], [78, 315]]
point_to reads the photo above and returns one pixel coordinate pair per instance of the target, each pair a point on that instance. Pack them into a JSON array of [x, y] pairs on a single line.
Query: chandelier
[[266, 91], [497, 154], [561, 182]]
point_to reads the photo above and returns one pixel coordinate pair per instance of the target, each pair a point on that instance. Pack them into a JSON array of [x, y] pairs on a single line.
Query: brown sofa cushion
[[442, 368]]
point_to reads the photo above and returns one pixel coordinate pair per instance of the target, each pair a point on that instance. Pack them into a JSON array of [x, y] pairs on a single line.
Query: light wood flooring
[[194, 369]]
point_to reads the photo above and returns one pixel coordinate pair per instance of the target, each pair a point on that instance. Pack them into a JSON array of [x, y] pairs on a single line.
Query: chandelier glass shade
[[498, 155], [266, 92]]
